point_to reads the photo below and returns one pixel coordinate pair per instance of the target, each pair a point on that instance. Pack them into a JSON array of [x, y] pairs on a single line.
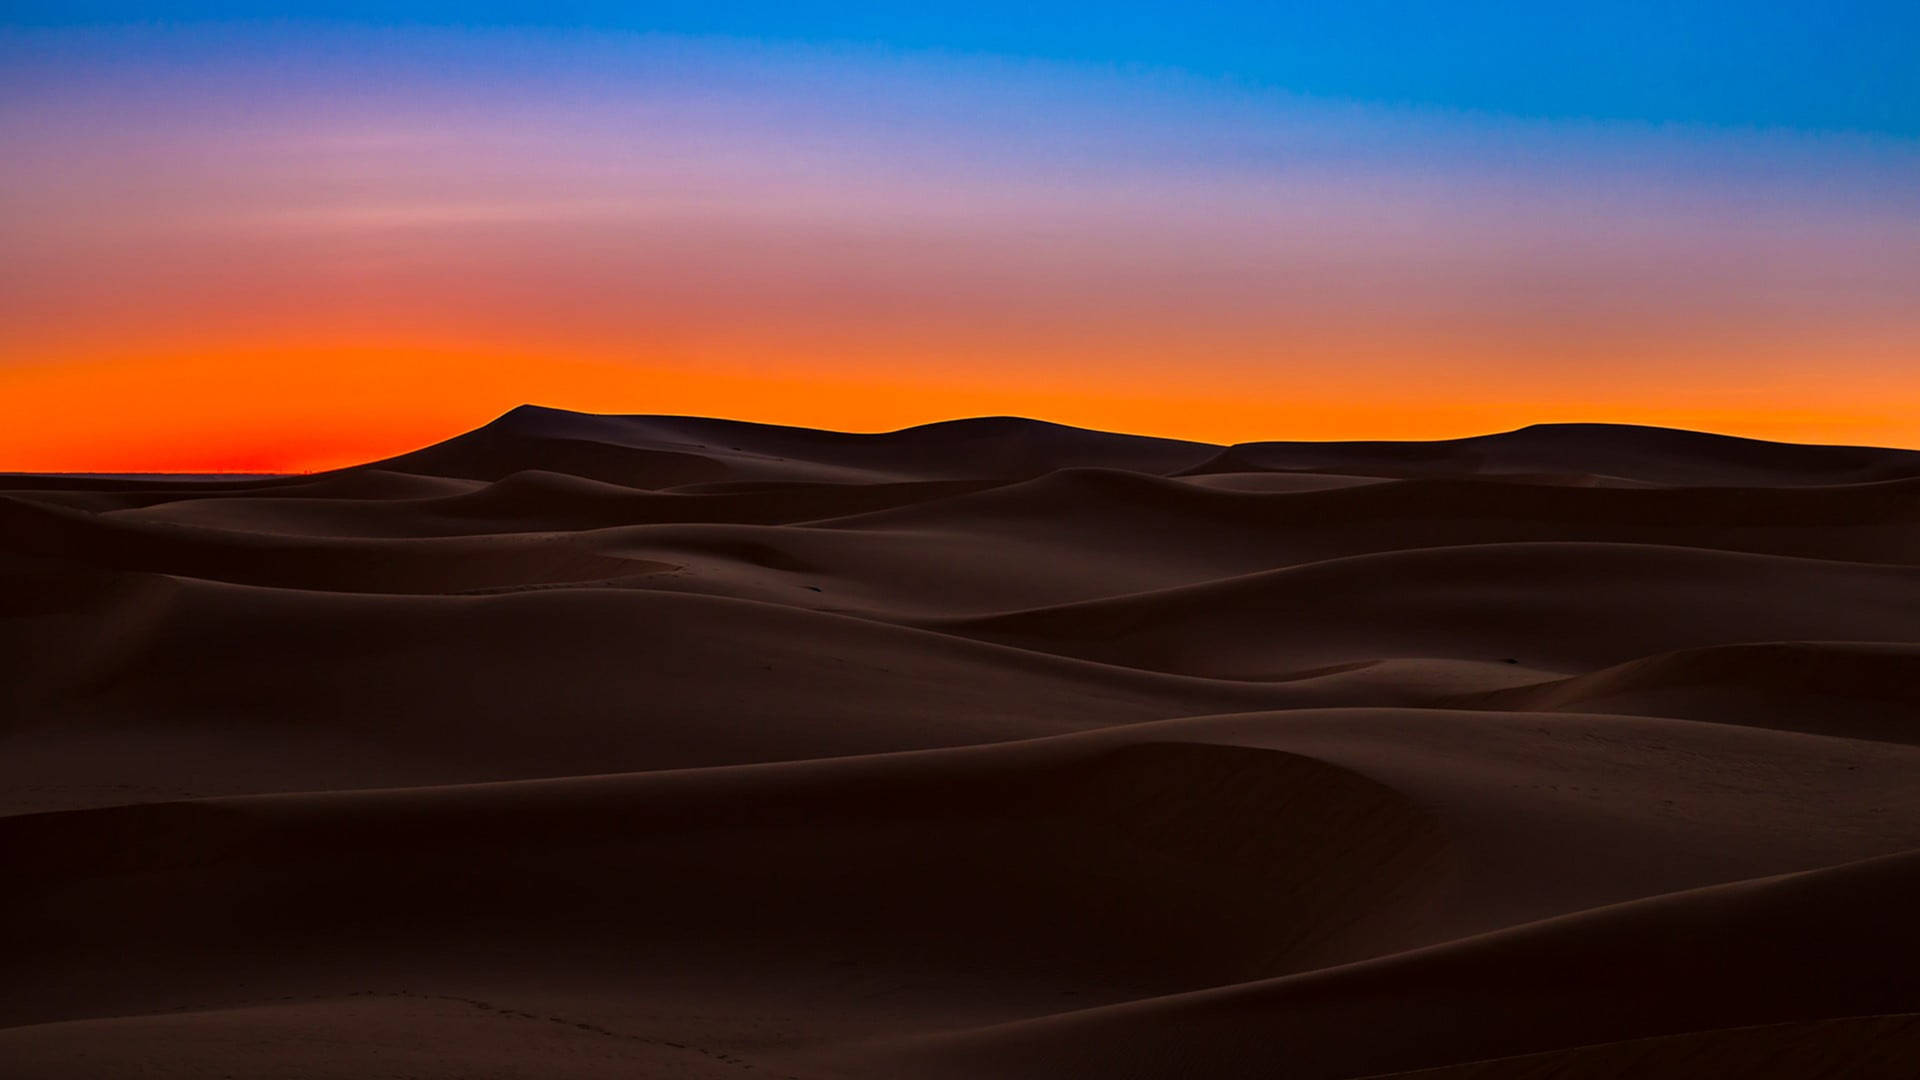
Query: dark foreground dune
[[586, 746]]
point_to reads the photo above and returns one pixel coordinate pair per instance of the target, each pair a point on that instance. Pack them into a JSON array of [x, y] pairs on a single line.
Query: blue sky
[[1834, 66]]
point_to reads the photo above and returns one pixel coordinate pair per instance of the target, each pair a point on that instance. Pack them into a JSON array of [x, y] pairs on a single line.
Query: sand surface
[[590, 746]]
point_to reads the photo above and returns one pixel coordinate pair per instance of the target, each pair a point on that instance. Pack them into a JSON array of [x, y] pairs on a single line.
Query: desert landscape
[[593, 746]]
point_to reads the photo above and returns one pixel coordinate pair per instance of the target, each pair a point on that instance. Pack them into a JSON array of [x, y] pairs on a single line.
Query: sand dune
[[1618, 452], [661, 746], [1828, 943], [1860, 690], [1532, 603]]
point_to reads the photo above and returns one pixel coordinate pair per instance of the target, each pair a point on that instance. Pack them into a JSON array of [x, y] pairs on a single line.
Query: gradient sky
[[246, 243]]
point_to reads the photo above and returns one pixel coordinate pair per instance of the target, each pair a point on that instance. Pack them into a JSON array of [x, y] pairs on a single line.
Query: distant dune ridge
[[617, 746]]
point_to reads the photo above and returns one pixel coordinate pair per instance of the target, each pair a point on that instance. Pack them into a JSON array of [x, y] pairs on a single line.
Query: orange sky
[[282, 412], [278, 268]]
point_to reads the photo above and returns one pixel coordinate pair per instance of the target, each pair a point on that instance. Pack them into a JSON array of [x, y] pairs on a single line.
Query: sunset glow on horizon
[[242, 245]]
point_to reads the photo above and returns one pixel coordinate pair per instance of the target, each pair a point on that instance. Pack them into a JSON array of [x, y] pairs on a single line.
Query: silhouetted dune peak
[[1617, 452], [980, 447], [659, 451]]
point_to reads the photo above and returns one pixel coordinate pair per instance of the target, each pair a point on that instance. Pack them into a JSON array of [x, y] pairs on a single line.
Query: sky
[[249, 240]]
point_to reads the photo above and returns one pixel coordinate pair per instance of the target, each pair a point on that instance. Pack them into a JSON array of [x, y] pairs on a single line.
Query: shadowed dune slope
[[1821, 945], [663, 746], [1870, 522], [1861, 690], [1539, 604], [1863, 1046]]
